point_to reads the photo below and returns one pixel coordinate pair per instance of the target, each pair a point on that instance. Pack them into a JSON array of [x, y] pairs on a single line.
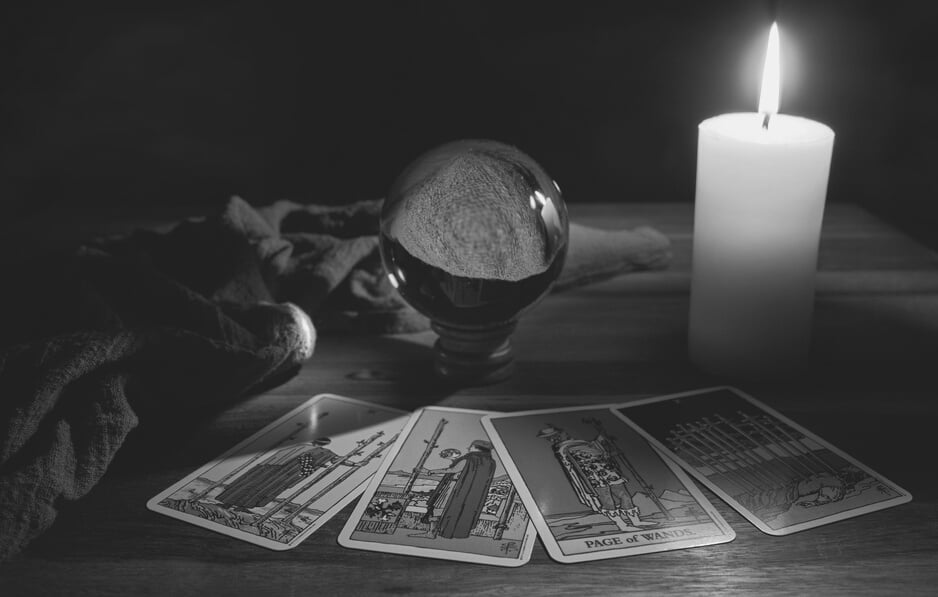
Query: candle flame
[[771, 75]]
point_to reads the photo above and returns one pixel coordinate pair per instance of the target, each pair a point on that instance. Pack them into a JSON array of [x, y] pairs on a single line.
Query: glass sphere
[[473, 233]]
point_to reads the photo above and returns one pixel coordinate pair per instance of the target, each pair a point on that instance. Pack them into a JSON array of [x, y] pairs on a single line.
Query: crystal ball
[[473, 234]]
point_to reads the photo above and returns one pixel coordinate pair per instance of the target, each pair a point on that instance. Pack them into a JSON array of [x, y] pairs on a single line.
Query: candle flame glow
[[771, 75]]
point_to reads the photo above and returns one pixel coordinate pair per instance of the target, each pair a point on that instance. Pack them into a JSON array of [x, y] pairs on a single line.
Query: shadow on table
[[877, 343], [165, 440], [406, 375]]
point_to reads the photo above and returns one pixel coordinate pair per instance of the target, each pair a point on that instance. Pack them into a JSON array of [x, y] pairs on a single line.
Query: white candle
[[757, 222]]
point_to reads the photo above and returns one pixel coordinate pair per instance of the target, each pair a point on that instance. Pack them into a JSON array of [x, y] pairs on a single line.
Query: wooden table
[[872, 391]]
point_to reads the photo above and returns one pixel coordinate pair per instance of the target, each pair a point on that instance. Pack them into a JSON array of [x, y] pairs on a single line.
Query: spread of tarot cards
[[592, 482]]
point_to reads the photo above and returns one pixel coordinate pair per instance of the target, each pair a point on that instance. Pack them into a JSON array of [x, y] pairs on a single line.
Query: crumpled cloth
[[152, 326]]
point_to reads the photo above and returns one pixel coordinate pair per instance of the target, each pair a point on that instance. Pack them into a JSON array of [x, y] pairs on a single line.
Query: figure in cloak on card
[[278, 472], [473, 474], [438, 494], [596, 476]]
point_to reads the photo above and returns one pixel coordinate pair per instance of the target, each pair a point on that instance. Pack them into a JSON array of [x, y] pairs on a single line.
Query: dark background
[[151, 103]]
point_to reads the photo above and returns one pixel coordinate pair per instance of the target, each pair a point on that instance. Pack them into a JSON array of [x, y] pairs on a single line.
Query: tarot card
[[596, 489], [777, 474], [278, 486], [442, 492]]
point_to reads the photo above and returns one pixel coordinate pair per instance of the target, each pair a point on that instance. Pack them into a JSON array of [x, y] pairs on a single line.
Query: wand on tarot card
[[431, 445], [374, 454], [343, 460], [299, 427], [616, 453]]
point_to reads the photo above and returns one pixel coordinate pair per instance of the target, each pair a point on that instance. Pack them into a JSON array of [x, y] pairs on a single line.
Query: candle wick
[[765, 120]]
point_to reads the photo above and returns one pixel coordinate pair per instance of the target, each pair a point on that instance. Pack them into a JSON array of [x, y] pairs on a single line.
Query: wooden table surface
[[872, 391]]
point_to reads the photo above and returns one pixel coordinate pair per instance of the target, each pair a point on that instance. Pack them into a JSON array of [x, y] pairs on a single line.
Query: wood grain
[[871, 391]]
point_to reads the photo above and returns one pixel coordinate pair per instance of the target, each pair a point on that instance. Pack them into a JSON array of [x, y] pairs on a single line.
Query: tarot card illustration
[[281, 484], [596, 489], [442, 492], [777, 474]]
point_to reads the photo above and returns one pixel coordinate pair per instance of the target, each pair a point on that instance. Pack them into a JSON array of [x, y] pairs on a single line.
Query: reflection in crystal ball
[[473, 233]]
